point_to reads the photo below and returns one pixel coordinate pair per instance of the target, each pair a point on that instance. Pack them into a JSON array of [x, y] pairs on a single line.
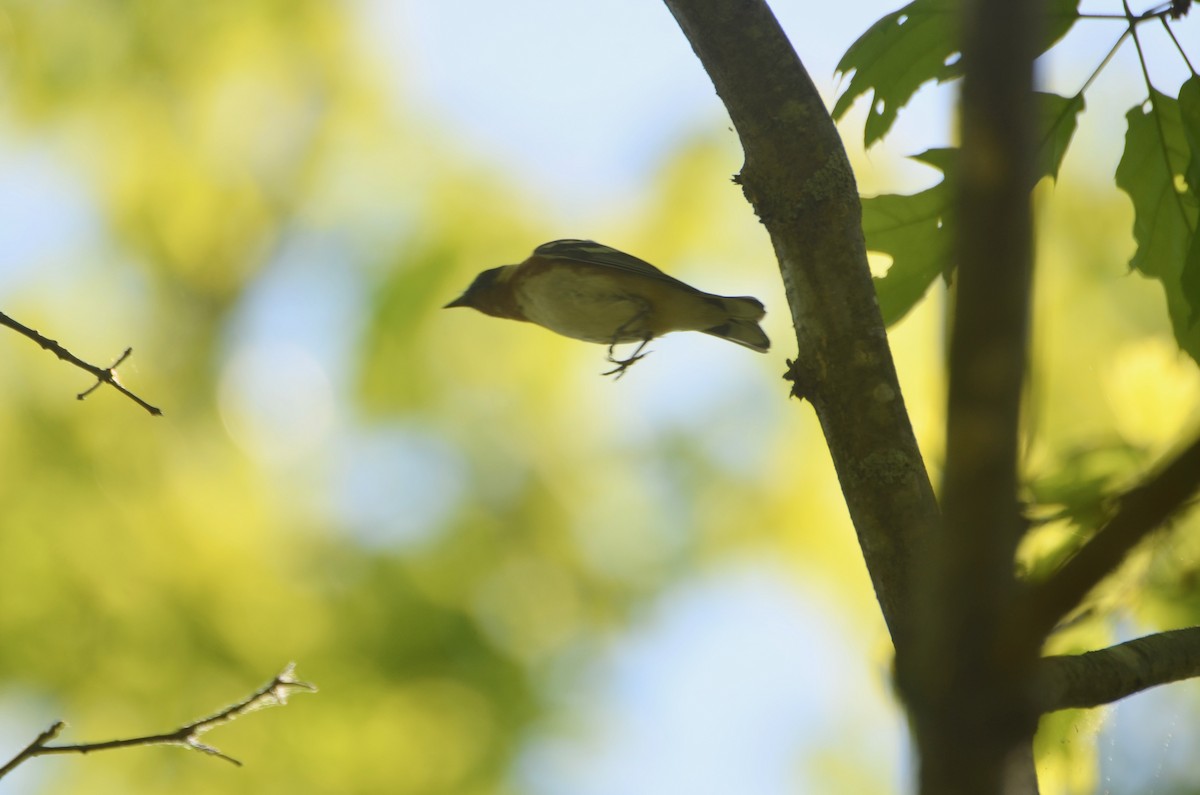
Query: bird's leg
[[623, 364]]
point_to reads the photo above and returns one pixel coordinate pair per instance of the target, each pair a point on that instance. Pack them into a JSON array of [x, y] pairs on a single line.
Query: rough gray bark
[[1104, 676], [798, 179]]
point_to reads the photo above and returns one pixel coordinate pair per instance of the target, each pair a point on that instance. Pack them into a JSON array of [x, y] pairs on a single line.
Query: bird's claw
[[624, 364]]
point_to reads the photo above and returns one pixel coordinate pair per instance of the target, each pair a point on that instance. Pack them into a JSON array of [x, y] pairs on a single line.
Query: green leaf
[[1165, 204], [1189, 113], [1189, 282], [913, 231], [1155, 152], [908, 48], [1067, 504], [944, 159], [895, 57], [1084, 482], [1057, 118], [916, 231]]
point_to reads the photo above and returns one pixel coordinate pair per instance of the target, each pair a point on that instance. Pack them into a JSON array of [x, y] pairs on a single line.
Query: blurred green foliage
[[441, 517]]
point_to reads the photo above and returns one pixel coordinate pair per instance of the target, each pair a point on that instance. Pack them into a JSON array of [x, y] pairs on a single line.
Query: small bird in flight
[[588, 291]]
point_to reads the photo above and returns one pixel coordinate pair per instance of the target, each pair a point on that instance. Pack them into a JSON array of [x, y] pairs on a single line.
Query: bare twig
[[274, 692], [1179, 47], [105, 375], [1107, 675], [31, 750], [1174, 10]]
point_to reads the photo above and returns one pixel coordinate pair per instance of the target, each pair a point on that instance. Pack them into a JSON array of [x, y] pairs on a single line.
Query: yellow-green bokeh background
[[453, 524]]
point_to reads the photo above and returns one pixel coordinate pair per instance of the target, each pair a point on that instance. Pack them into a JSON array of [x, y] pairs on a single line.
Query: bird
[[588, 291]]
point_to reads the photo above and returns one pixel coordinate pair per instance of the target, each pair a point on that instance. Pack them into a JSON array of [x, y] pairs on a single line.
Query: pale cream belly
[[584, 307]]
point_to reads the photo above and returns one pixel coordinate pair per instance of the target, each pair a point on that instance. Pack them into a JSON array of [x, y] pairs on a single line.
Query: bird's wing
[[592, 253]]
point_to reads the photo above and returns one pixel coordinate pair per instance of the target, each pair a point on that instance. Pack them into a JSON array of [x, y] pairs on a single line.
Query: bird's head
[[490, 293]]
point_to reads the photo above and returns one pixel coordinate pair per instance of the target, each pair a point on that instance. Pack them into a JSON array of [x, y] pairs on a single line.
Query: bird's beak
[[460, 301]]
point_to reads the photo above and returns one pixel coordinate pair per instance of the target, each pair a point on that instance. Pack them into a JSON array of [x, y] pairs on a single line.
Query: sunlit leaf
[[1165, 205], [1065, 746], [910, 47], [1084, 483]]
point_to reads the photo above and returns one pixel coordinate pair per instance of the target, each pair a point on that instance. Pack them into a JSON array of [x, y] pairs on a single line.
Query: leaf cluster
[[1159, 170]]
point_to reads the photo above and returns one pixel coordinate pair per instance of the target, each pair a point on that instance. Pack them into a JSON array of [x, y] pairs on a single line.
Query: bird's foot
[[624, 364]]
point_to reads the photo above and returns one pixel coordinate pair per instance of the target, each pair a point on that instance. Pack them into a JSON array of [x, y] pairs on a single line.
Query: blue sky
[[735, 680], [584, 98], [731, 679], [581, 98]]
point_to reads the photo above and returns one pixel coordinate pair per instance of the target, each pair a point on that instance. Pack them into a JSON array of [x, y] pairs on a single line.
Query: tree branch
[[1140, 511], [966, 686], [105, 375], [274, 692], [1107, 675], [989, 328], [798, 179]]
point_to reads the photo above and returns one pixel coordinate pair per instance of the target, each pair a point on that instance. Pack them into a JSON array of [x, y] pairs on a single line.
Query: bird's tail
[[741, 325]]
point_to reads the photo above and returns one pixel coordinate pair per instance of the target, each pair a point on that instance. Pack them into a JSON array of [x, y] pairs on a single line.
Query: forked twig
[[104, 375], [274, 692]]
